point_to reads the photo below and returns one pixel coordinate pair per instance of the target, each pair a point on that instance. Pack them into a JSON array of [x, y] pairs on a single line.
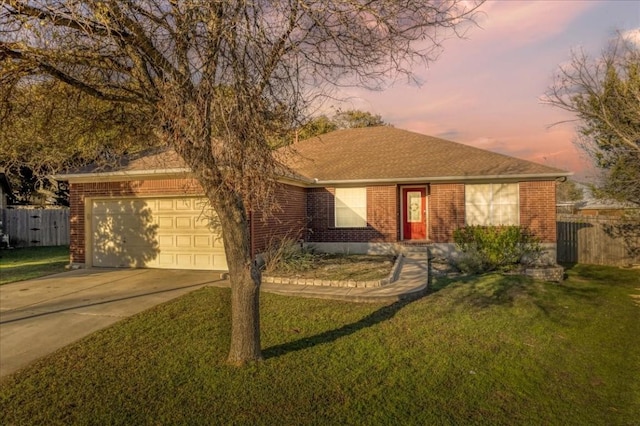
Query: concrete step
[[415, 252], [417, 255]]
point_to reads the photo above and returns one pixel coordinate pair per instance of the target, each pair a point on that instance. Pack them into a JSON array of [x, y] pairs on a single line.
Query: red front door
[[414, 223]]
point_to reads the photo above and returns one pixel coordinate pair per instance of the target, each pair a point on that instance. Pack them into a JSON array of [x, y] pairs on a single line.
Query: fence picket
[[37, 227], [599, 240]]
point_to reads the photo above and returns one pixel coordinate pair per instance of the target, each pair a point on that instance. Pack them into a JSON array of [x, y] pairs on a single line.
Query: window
[[351, 207], [492, 204]]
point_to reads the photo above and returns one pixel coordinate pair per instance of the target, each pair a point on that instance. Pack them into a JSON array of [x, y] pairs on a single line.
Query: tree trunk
[[244, 276]]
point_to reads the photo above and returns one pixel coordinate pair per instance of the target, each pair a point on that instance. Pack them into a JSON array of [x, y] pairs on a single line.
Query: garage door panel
[[184, 260], [203, 223], [165, 260], [159, 233], [183, 223], [183, 204], [165, 222], [183, 241], [165, 241], [201, 241], [203, 260], [166, 205]]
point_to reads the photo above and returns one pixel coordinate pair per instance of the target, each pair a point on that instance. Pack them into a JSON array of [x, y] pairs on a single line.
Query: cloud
[[485, 90], [632, 36], [526, 22]]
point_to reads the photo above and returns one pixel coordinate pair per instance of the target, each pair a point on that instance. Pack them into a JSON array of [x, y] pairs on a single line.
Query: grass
[[486, 350], [337, 267], [32, 262]]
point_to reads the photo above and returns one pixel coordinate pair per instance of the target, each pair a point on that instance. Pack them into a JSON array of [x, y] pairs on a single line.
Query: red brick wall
[[313, 209], [538, 209], [446, 211], [382, 216], [80, 191], [289, 219]]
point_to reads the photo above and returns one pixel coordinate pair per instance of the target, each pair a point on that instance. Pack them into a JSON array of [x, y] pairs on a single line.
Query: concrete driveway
[[41, 315]]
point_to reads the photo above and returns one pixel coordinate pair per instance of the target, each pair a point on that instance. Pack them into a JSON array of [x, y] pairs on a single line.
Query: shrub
[[490, 248], [286, 254]]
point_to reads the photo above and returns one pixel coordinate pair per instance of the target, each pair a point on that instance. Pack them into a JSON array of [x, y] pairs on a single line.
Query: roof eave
[[298, 180], [183, 172], [528, 176], [120, 175]]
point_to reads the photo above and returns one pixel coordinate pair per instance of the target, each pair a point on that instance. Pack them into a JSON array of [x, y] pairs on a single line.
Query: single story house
[[356, 190]]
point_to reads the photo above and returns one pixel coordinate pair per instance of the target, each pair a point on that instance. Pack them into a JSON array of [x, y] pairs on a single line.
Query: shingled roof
[[390, 154], [372, 154], [154, 159]]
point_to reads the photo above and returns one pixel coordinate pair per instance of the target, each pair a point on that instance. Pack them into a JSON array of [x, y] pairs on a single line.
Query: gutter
[[538, 176], [120, 175], [94, 177], [300, 180]]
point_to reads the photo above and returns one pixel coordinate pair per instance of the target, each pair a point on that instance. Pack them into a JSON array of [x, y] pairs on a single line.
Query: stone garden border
[[392, 277]]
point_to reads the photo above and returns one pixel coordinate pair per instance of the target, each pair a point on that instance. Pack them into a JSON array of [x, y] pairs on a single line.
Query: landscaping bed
[[336, 267]]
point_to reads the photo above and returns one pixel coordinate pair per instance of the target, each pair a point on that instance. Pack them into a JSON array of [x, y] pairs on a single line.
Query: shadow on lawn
[[383, 314], [511, 291]]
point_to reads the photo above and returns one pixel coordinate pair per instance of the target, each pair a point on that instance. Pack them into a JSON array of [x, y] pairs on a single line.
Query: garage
[[167, 232]]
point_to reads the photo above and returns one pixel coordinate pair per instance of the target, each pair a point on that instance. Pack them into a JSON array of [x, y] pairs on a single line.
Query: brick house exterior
[[446, 211], [367, 165], [289, 220], [382, 206]]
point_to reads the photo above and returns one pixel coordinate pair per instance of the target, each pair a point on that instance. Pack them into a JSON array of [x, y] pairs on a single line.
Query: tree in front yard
[[219, 79]]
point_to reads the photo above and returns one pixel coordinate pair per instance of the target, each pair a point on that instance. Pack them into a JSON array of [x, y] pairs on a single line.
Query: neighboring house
[[594, 207], [356, 190], [590, 205]]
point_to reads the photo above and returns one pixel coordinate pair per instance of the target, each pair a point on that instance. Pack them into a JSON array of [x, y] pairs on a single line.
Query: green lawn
[[32, 262], [489, 350]]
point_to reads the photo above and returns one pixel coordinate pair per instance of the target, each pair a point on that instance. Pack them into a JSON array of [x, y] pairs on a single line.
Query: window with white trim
[[351, 207], [492, 204]]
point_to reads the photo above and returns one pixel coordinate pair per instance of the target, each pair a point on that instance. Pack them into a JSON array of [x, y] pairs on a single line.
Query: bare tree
[[604, 94], [219, 77]]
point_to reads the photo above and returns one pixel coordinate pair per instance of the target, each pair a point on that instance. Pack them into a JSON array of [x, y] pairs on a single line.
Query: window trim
[[354, 209]]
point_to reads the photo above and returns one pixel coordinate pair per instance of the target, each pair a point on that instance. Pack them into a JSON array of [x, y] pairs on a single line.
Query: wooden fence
[[36, 227], [598, 240]]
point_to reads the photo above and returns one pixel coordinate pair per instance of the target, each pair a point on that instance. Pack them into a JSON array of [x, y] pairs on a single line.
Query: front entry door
[[414, 213]]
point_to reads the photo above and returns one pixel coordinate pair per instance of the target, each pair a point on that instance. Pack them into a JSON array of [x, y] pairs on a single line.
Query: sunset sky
[[485, 91]]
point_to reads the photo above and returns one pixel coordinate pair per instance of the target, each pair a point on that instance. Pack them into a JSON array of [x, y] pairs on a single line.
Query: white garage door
[[171, 233]]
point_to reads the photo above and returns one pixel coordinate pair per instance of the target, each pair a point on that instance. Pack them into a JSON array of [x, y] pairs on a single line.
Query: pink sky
[[485, 91]]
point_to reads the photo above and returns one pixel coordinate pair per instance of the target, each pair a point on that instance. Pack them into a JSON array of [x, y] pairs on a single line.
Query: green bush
[[490, 248]]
